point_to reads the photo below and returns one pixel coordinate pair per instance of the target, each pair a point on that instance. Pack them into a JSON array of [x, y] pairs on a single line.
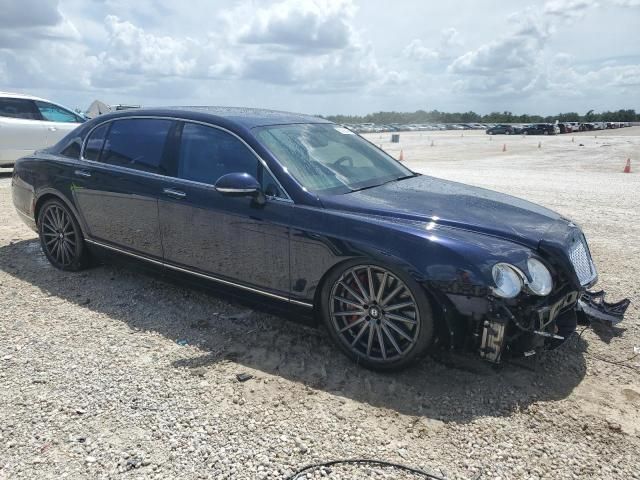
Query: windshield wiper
[[383, 183]]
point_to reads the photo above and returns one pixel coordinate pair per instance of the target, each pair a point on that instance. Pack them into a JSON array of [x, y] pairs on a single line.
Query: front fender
[[444, 259]]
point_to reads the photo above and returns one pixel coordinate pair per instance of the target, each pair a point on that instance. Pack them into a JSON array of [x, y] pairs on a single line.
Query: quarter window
[[208, 153], [95, 142], [54, 113], [137, 143], [19, 108]]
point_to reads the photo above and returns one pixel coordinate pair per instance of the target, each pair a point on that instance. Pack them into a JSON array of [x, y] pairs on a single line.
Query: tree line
[[435, 116]]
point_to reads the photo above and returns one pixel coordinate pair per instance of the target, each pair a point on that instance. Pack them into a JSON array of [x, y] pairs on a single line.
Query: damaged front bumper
[[592, 307], [506, 328]]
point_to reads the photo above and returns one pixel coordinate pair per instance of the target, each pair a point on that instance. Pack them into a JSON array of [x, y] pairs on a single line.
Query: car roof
[[245, 117], [21, 95]]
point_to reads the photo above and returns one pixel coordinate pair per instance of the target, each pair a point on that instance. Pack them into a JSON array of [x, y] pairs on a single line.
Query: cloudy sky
[[327, 56]]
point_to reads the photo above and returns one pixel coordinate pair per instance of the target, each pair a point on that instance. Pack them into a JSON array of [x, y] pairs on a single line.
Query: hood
[[429, 199]]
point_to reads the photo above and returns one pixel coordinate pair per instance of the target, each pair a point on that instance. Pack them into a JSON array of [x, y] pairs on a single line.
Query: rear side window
[[95, 142], [19, 108], [54, 113], [137, 143]]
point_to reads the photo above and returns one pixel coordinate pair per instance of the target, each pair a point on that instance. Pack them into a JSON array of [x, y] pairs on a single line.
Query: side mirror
[[240, 185]]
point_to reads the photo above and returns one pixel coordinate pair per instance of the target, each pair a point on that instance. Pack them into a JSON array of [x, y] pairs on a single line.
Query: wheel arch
[[391, 262], [51, 194]]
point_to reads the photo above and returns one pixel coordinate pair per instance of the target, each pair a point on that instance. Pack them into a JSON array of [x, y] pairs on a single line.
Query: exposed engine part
[[548, 335], [493, 338]]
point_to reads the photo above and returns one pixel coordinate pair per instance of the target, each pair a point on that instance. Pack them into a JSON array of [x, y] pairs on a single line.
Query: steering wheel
[[345, 159]]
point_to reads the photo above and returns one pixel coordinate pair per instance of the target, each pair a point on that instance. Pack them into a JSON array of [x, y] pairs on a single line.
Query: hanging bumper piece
[[592, 307]]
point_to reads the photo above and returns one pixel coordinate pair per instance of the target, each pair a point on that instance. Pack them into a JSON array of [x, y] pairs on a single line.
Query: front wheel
[[378, 317], [61, 237]]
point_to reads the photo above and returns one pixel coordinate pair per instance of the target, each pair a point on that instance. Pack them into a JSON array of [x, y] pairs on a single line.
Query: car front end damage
[[497, 324]]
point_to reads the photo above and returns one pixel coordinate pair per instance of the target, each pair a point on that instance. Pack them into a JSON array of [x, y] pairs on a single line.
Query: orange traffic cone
[[401, 157], [504, 147], [627, 167]]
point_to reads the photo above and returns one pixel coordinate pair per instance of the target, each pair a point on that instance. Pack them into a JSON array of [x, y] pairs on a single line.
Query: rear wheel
[[61, 238], [380, 318]]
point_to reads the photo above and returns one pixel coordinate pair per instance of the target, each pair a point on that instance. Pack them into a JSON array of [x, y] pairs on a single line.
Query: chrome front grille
[[581, 261]]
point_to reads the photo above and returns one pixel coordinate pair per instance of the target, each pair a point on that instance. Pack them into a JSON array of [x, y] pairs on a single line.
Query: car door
[[58, 121], [116, 187], [231, 238], [22, 130]]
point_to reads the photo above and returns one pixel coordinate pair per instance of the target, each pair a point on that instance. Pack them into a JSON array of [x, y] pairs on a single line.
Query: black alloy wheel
[[61, 238], [379, 318]]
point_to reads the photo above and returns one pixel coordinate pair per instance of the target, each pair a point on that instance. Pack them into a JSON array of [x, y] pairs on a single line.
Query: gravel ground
[[113, 373]]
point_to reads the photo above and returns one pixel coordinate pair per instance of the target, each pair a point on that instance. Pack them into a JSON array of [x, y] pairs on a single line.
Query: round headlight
[[508, 280], [541, 282]]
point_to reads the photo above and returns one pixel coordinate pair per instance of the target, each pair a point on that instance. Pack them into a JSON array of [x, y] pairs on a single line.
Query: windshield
[[329, 159]]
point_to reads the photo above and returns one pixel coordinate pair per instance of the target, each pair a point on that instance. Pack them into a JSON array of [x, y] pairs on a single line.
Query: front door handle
[[53, 129], [174, 193], [82, 173]]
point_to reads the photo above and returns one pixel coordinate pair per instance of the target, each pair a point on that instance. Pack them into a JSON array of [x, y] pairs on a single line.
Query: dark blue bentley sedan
[[308, 214]]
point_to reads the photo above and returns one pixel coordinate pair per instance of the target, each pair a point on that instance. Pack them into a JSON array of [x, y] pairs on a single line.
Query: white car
[[30, 123]]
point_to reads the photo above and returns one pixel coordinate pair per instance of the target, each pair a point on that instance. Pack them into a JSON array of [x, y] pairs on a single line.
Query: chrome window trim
[[234, 190], [198, 274], [181, 180]]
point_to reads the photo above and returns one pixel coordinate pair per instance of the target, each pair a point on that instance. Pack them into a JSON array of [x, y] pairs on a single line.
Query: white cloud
[[568, 9], [515, 63], [450, 42], [24, 23], [301, 25], [627, 3], [417, 50], [277, 53]]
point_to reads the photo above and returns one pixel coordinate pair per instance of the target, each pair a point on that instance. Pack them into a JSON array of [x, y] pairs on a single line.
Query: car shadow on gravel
[[447, 387]]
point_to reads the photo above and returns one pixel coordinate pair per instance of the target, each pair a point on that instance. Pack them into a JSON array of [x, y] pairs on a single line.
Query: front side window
[[327, 158], [54, 113], [137, 143], [19, 108], [207, 153]]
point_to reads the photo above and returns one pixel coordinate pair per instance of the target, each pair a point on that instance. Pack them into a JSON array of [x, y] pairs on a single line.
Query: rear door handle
[[174, 193], [82, 173]]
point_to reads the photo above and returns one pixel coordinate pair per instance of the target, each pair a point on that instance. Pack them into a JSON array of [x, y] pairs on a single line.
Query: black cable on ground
[[619, 363], [364, 461]]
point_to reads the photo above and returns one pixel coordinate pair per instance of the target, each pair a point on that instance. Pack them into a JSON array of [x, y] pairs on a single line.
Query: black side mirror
[[240, 185]]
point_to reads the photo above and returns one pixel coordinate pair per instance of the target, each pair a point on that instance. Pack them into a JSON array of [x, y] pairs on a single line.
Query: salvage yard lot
[[116, 373]]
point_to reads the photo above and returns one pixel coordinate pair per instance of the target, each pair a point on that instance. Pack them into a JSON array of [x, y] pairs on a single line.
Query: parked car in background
[[540, 129], [500, 129], [305, 213], [30, 123], [565, 127]]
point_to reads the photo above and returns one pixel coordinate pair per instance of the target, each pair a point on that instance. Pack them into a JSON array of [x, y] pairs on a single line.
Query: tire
[[507, 132], [61, 237], [545, 133], [525, 133], [389, 330]]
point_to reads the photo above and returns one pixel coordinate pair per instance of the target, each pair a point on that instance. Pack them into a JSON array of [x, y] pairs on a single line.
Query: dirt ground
[[114, 373]]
